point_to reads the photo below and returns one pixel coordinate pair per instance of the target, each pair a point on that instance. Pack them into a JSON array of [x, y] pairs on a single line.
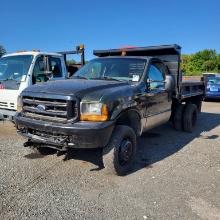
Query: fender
[[131, 117]]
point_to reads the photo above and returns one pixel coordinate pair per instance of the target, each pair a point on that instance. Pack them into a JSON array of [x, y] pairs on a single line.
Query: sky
[[61, 25]]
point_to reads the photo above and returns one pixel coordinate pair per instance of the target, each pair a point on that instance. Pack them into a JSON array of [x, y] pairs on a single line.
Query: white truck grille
[[7, 105]]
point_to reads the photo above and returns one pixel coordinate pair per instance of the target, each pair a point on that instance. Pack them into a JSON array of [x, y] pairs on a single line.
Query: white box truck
[[22, 69]]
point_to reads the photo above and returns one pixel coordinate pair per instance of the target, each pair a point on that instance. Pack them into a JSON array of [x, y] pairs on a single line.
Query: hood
[[77, 87]]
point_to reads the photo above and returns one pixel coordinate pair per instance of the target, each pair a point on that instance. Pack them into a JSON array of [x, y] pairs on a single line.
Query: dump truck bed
[[191, 88]]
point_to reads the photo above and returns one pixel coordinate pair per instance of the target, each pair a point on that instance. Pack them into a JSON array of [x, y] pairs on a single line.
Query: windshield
[[14, 67], [214, 80], [123, 69]]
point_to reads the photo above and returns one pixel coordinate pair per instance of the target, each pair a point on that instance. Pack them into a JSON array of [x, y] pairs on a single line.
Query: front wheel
[[119, 154]]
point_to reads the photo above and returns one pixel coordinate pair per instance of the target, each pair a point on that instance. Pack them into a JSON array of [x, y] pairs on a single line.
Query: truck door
[[47, 67], [158, 104], [55, 67], [38, 75]]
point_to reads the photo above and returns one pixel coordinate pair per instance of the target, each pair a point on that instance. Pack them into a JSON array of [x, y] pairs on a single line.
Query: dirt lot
[[176, 176]]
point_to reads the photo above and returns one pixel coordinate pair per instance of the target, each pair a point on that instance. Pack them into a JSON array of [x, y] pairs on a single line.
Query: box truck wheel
[[119, 154], [190, 117]]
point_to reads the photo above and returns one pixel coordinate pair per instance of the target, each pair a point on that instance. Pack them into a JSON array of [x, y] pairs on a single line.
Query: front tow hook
[[28, 144]]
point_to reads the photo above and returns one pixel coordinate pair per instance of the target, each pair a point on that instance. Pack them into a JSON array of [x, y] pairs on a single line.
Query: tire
[[119, 154], [205, 99], [199, 106], [44, 150], [190, 117], [178, 117]]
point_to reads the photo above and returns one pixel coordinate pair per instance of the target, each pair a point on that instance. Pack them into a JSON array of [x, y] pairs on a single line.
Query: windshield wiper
[[78, 77], [107, 78]]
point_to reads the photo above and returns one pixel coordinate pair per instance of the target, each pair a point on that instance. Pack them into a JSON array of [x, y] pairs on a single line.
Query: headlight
[[93, 112], [19, 104]]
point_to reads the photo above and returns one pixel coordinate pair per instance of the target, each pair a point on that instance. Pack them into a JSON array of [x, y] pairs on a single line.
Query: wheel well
[[132, 119]]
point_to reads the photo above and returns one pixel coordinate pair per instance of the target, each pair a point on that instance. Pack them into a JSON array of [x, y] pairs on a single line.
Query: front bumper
[[5, 113], [77, 135]]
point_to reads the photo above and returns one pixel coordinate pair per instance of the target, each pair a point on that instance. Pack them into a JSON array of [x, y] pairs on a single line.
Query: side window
[[56, 67], [156, 78], [39, 71]]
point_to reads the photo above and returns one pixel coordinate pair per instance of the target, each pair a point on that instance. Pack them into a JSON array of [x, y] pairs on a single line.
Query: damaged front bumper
[[77, 135]]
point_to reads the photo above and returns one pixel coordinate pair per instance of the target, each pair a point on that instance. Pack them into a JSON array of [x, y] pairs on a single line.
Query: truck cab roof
[[33, 53]]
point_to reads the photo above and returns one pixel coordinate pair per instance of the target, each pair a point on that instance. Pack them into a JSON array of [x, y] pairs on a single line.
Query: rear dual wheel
[[190, 117], [178, 117], [185, 117]]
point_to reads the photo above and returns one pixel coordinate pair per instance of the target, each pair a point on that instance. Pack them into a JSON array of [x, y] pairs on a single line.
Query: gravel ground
[[176, 176]]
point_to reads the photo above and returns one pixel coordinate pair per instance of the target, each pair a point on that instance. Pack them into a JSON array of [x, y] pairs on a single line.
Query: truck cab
[[23, 69]]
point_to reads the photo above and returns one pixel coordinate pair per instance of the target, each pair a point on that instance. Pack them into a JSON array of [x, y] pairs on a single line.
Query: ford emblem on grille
[[41, 107]]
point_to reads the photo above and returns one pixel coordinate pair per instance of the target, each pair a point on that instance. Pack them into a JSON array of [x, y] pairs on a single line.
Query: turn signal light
[[92, 117]]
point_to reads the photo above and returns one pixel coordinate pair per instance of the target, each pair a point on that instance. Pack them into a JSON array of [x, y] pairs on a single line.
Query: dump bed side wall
[[191, 89]]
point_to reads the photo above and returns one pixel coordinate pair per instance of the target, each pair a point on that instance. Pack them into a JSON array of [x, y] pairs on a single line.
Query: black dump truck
[[109, 102]]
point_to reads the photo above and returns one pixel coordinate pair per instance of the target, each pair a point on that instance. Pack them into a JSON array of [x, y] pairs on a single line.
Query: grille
[[54, 110], [7, 105], [4, 104]]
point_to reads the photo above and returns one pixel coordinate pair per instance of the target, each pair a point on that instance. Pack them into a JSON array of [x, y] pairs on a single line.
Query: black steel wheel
[[119, 154]]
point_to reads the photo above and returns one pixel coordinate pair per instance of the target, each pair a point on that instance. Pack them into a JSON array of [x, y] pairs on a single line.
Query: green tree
[[2, 50], [218, 63], [209, 65], [185, 64], [70, 62], [203, 61]]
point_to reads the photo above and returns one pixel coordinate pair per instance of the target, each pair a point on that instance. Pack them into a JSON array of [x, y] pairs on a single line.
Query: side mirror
[[148, 84], [49, 74], [169, 83], [154, 84], [23, 78]]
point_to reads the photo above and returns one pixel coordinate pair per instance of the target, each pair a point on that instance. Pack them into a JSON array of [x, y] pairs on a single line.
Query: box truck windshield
[[13, 69]]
